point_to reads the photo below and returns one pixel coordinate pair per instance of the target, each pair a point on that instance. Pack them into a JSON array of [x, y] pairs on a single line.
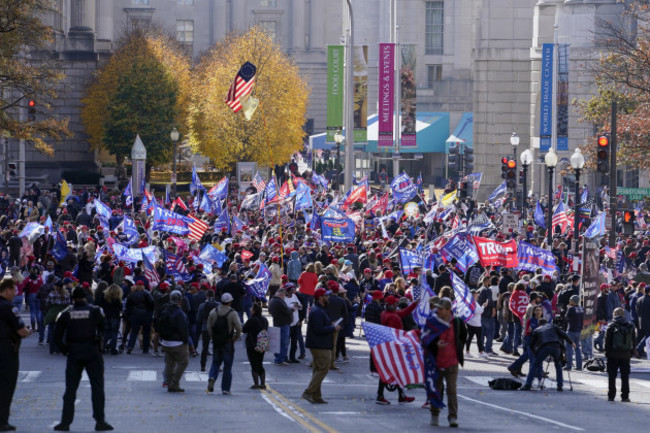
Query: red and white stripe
[[197, 229], [401, 361], [238, 89]]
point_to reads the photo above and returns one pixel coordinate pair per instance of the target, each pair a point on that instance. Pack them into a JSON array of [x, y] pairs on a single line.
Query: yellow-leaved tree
[[142, 89], [275, 131]]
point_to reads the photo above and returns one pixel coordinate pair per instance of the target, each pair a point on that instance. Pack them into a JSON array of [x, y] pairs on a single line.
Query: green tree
[[145, 104], [22, 35]]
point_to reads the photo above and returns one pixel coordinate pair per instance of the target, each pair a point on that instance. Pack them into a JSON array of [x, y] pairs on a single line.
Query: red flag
[[518, 302], [245, 255], [359, 194], [179, 202], [381, 205]]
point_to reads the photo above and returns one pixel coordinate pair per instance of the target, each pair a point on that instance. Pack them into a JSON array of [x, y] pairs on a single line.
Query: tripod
[[550, 359]]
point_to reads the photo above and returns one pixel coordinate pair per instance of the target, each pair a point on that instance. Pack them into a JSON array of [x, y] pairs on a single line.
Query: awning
[[464, 132], [318, 142]]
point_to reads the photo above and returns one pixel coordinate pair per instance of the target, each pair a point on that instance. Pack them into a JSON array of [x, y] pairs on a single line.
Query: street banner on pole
[[546, 95], [334, 91], [563, 97], [360, 106], [386, 93], [407, 84]]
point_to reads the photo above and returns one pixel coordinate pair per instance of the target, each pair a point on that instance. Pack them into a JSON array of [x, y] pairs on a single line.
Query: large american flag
[[150, 272], [241, 86], [197, 229], [560, 217], [258, 182], [397, 354]]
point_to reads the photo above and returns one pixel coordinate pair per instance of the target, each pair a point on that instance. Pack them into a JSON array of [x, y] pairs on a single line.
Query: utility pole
[[613, 199]]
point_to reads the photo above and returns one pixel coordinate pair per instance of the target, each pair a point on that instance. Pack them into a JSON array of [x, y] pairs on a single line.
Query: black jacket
[[373, 312], [252, 328], [618, 322], [337, 308], [280, 311], [319, 329], [79, 328], [548, 334]]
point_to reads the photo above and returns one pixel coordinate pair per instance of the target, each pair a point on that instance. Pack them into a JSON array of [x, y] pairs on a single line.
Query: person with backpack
[[619, 348], [257, 343], [204, 311], [574, 318], [173, 330], [224, 328]]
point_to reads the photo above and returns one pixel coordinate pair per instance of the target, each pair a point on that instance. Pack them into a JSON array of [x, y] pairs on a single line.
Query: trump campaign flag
[[220, 190], [128, 194], [403, 188], [168, 221], [460, 248], [539, 216], [259, 285], [213, 255], [409, 259], [303, 197], [433, 327], [597, 227], [423, 309], [463, 304], [518, 303], [397, 354], [493, 253], [531, 257], [195, 184], [337, 229], [223, 222]]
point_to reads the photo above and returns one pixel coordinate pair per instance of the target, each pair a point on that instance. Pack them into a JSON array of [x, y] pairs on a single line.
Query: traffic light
[[13, 169], [31, 110], [628, 222], [469, 159], [511, 173], [602, 153], [504, 167], [453, 154]]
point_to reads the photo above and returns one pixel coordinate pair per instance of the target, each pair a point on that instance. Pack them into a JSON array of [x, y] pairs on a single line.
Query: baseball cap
[[575, 299], [176, 295], [226, 298], [443, 303], [321, 292]]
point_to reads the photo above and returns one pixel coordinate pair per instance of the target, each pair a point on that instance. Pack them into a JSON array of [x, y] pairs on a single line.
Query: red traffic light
[[504, 160], [603, 141], [32, 103], [512, 164], [628, 216]]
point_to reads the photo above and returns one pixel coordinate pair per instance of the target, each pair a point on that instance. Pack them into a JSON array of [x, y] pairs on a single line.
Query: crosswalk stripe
[[28, 376], [142, 376], [195, 376]]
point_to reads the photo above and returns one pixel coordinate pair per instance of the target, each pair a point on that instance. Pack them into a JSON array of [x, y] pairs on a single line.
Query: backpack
[[165, 323], [504, 384], [595, 364], [221, 334], [622, 340], [263, 342]]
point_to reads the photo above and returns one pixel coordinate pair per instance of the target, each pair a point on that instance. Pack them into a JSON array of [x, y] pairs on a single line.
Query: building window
[[140, 22], [270, 28], [268, 3], [185, 32], [434, 73], [185, 2], [434, 28], [141, 2]]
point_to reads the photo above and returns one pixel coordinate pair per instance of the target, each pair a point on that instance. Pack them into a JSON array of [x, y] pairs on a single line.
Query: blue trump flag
[[433, 327], [539, 216], [128, 193], [460, 248], [531, 257], [303, 197], [337, 230], [423, 309], [223, 222], [213, 255], [259, 285], [597, 227], [220, 190], [409, 260], [463, 304], [403, 188], [60, 249], [195, 184], [168, 221], [271, 190], [237, 222], [130, 230]]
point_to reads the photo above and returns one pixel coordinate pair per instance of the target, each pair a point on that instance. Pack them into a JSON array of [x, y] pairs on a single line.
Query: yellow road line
[[306, 414], [290, 413]]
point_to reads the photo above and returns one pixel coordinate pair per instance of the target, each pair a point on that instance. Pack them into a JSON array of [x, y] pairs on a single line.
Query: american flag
[[397, 354], [197, 229], [150, 272], [241, 86], [258, 182], [560, 217]]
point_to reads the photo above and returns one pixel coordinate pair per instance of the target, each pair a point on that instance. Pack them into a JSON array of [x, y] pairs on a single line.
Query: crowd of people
[[182, 300]]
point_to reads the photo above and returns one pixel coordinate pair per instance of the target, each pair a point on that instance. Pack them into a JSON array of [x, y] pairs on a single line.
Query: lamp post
[[577, 162], [526, 158], [349, 97], [551, 161], [338, 139], [174, 135], [514, 142]]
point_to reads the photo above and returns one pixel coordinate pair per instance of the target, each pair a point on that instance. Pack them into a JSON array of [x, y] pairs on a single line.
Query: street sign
[[510, 222], [173, 179], [634, 193]]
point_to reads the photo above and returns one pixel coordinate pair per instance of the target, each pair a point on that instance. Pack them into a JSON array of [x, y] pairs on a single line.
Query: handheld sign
[[518, 303]]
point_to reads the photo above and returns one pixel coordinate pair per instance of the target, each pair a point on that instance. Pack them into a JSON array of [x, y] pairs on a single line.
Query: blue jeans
[[587, 344], [575, 337], [18, 302], [555, 352], [510, 338], [284, 344], [140, 319], [35, 314], [488, 332], [110, 334], [226, 355]]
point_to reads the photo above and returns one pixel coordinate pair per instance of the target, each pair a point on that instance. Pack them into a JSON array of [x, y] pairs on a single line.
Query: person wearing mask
[[619, 348], [78, 333], [319, 341], [224, 328], [204, 311], [574, 317], [282, 318], [488, 316], [337, 308], [173, 330], [293, 302], [111, 303], [252, 328], [139, 309]]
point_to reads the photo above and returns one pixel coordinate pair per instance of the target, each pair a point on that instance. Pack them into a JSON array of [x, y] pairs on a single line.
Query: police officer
[[83, 325], [12, 329]]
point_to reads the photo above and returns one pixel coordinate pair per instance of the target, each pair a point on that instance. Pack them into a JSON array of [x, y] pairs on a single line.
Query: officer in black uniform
[[83, 325], [12, 330]]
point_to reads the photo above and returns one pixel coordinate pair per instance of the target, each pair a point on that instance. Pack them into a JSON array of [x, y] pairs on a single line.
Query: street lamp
[[551, 161], [514, 141], [338, 139], [526, 158], [577, 162], [174, 135]]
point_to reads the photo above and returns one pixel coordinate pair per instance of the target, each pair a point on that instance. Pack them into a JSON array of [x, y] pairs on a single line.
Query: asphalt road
[[137, 402]]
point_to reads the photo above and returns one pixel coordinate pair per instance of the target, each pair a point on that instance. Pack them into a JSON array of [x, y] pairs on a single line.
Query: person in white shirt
[[474, 328], [295, 330]]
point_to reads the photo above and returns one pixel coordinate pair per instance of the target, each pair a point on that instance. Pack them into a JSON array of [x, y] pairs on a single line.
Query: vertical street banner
[[590, 284], [360, 94], [546, 101], [334, 91], [563, 97], [386, 94], [407, 87]]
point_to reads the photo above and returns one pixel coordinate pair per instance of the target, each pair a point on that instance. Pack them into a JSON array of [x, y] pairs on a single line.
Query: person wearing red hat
[[319, 342], [337, 308], [392, 317], [368, 283]]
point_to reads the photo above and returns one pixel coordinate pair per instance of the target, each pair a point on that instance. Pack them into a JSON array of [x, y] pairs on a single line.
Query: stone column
[[104, 19], [82, 15]]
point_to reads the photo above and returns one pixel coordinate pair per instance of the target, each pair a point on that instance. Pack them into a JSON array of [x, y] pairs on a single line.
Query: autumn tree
[[24, 77], [622, 74], [142, 89], [275, 131]]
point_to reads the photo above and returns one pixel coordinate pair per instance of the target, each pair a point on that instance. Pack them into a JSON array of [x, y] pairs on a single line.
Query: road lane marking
[[195, 376], [304, 413], [277, 408], [518, 412], [142, 376], [287, 412], [28, 376]]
